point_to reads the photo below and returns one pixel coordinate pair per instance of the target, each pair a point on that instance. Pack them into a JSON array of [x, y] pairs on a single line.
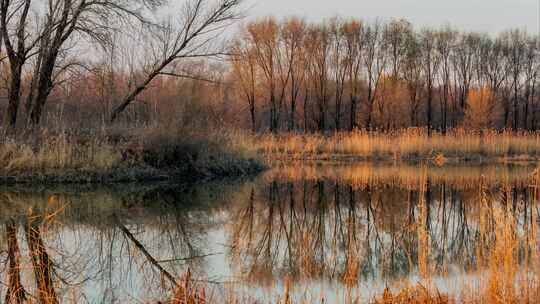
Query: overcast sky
[[478, 15]]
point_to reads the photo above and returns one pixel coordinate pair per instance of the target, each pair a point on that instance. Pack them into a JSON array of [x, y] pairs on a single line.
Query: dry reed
[[403, 145], [140, 154]]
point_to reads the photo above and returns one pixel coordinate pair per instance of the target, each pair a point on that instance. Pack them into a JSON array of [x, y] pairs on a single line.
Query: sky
[[491, 16]]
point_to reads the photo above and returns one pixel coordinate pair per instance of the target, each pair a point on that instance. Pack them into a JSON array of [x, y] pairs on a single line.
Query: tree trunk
[[429, 108], [338, 111], [292, 121], [306, 111], [526, 115], [515, 106], [44, 88], [322, 116], [14, 96], [353, 114], [42, 264], [369, 116], [370, 106], [253, 121], [141, 87], [145, 252], [15, 293]]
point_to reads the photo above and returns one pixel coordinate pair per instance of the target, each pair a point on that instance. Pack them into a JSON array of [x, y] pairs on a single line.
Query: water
[[333, 231]]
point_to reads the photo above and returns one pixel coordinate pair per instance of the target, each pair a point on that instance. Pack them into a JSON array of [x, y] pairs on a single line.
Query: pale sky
[[490, 16]]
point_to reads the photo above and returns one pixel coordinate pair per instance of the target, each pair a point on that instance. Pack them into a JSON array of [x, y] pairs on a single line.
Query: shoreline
[[146, 155], [249, 167], [438, 160], [243, 168], [151, 155]]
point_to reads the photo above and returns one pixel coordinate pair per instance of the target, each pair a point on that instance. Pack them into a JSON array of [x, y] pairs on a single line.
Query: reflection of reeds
[[188, 293], [406, 176], [423, 232], [305, 230], [492, 232], [413, 295], [506, 254]]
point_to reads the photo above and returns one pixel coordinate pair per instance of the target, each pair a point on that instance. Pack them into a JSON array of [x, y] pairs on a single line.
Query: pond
[[318, 230]]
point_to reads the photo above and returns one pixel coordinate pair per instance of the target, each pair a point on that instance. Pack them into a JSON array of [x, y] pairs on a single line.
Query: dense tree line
[[90, 61], [347, 74]]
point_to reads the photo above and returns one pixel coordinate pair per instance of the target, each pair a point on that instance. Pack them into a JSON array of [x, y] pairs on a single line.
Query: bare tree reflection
[[105, 246], [326, 227], [116, 245], [41, 261], [15, 292]]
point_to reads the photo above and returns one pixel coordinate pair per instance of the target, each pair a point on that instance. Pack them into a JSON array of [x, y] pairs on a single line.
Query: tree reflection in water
[[105, 245], [343, 225], [350, 226]]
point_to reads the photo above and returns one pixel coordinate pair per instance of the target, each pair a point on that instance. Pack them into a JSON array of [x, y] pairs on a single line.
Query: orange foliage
[[480, 110]]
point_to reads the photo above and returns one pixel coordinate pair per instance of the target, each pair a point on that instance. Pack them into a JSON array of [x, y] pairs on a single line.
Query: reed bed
[[58, 152], [147, 153], [403, 145]]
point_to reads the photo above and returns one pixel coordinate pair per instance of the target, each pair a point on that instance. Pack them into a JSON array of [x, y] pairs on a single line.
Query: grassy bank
[[410, 145], [142, 154]]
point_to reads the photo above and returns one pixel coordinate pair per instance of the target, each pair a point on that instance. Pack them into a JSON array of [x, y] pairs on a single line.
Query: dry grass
[[117, 155], [57, 153], [407, 145]]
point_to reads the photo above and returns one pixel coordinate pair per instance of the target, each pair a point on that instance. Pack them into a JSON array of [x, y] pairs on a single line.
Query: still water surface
[[333, 231]]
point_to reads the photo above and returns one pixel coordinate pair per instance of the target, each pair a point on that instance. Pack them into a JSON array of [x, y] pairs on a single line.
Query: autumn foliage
[[481, 109]]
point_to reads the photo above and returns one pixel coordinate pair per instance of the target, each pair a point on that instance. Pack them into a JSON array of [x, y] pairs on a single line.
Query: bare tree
[[494, 68], [244, 65], [339, 68], [42, 263], [18, 41], [430, 64], [308, 55], [390, 66], [516, 60], [412, 74], [374, 62], [445, 45], [531, 70], [265, 38], [15, 292], [201, 21], [395, 36], [464, 57], [354, 44], [293, 35], [320, 42], [65, 20]]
